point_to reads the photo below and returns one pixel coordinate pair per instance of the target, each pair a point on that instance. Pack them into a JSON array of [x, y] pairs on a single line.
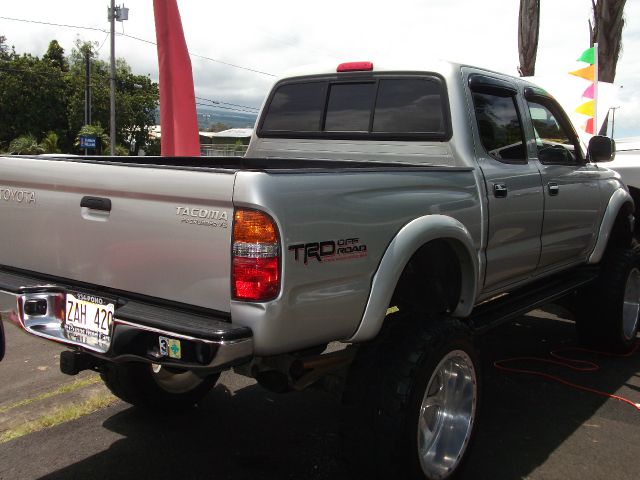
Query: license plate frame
[[88, 320]]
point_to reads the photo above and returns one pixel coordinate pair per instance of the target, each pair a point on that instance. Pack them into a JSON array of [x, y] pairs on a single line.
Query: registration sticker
[[170, 347]]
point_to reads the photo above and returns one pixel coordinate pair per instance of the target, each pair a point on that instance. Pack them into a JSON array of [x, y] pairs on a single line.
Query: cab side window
[[499, 126], [553, 141]]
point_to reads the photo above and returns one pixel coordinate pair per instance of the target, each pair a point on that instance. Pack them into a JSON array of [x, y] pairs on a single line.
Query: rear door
[[160, 232], [513, 183]]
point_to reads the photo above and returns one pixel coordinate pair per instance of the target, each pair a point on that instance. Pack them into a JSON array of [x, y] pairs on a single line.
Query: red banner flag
[[588, 127], [178, 118]]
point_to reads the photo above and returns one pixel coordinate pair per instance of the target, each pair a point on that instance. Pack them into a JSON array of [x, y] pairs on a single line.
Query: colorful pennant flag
[[586, 108], [589, 73], [589, 92], [588, 56]]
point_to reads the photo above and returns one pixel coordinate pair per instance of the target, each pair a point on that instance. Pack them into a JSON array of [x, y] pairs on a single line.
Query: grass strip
[[59, 416], [69, 387]]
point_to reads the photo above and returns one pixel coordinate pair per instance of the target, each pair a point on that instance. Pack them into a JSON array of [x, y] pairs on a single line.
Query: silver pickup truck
[[400, 211]]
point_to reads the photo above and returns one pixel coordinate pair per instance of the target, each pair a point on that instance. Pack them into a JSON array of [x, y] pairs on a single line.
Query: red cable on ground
[[573, 364]]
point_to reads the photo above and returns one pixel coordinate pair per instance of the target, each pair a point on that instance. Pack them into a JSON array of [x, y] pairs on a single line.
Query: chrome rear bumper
[[207, 342]]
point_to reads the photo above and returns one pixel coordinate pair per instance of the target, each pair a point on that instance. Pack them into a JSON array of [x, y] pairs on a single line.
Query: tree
[[43, 95], [528, 33], [33, 98], [55, 56], [606, 30], [136, 98]]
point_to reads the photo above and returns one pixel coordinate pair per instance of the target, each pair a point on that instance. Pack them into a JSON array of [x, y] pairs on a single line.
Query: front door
[[571, 187]]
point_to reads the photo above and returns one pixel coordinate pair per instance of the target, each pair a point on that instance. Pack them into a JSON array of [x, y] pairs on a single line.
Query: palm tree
[[528, 32], [606, 30], [49, 143]]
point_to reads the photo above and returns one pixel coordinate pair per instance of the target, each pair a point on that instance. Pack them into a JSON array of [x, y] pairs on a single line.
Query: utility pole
[[120, 14], [613, 120], [87, 90]]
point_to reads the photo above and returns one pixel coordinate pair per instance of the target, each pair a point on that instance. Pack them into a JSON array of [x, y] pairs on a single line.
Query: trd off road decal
[[329, 250]]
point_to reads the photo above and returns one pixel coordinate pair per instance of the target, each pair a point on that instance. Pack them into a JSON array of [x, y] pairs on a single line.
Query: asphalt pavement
[[530, 427]]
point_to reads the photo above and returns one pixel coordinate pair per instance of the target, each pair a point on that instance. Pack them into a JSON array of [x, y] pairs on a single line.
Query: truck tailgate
[[157, 231]]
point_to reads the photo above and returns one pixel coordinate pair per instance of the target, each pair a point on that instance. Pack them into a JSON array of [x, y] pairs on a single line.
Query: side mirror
[[601, 149]]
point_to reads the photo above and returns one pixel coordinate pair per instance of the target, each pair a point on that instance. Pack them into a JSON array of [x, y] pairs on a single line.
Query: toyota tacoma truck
[[400, 211]]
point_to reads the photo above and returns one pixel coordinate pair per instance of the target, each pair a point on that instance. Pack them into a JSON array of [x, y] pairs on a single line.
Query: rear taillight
[[256, 256]]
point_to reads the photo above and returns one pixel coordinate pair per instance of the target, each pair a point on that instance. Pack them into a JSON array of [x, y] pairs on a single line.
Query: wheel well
[[635, 194], [621, 235], [431, 281]]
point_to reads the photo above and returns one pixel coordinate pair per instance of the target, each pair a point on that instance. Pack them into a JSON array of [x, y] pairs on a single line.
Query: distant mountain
[[232, 119], [208, 116]]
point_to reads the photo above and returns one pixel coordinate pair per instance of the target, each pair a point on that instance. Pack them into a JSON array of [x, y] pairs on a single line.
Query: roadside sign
[[87, 141]]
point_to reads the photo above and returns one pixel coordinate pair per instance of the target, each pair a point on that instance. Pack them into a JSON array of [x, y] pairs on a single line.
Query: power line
[[225, 108], [137, 39], [217, 102]]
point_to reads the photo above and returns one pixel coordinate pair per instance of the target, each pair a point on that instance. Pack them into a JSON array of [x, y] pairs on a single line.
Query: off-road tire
[[602, 319], [385, 390], [135, 383]]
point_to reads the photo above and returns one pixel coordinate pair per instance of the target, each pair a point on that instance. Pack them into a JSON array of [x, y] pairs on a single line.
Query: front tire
[[607, 314], [412, 399], [155, 387]]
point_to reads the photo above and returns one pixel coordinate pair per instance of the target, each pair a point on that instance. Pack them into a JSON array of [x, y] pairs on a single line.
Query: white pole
[[595, 91]]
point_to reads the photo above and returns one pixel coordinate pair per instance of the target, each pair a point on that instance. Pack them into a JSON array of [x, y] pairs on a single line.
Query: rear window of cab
[[408, 107]]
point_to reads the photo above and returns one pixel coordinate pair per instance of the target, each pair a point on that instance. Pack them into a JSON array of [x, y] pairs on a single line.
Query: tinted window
[[368, 107], [409, 105], [296, 107], [553, 142], [349, 107], [499, 126]]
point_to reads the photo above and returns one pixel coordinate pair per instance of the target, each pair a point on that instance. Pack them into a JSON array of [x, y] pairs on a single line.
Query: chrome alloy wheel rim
[[631, 307], [172, 382], [447, 415]]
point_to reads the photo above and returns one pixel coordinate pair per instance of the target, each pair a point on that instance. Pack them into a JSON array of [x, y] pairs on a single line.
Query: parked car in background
[[627, 164]]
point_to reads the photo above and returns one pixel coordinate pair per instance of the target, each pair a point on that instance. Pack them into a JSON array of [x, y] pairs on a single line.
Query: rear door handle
[[554, 189], [500, 190], [96, 203]]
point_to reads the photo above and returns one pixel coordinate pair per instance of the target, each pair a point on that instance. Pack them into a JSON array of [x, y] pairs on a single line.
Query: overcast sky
[[275, 36]]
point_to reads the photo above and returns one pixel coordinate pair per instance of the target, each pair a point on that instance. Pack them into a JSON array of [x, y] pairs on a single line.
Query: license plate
[[89, 319]]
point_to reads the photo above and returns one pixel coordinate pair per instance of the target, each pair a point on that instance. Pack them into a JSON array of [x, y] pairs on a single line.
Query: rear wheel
[[156, 387], [607, 314], [412, 400]]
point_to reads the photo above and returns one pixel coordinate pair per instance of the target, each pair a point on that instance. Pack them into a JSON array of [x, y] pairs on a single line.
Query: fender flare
[[619, 198], [405, 244]]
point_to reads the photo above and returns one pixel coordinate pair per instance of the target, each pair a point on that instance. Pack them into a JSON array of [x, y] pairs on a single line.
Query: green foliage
[[96, 130], [25, 145], [33, 98], [55, 56], [49, 143], [46, 95], [122, 151]]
